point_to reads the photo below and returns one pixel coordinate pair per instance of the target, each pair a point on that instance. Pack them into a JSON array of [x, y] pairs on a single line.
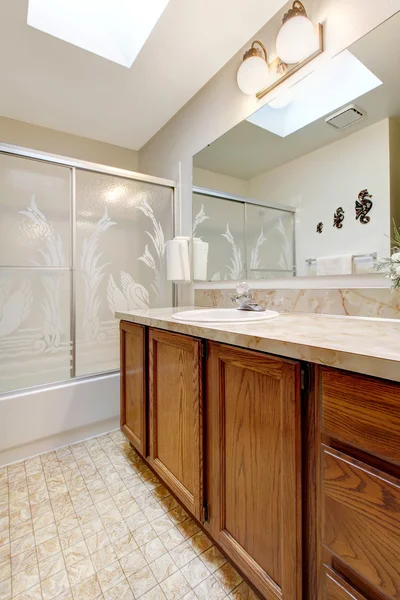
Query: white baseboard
[[39, 420]]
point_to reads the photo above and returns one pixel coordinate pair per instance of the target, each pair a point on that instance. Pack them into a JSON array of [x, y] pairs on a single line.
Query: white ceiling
[[49, 82], [246, 151]]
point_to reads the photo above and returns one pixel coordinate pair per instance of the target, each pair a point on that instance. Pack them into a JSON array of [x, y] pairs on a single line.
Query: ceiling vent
[[345, 117]]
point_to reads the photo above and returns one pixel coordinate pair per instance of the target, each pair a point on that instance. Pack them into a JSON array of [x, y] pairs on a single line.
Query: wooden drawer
[[361, 520], [336, 588], [363, 412]]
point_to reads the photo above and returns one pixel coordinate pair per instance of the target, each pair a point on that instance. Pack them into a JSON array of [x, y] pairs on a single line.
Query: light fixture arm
[[297, 10], [262, 48], [254, 51]]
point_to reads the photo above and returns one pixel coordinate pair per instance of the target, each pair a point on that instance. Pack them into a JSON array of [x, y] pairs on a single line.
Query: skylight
[[341, 80], [113, 29]]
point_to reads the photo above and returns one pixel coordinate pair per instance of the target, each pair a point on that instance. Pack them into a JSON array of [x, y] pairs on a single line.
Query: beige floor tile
[[52, 565], [103, 557], [195, 572], [153, 512], [92, 527], [22, 544], [34, 593], [213, 559], [45, 534], [4, 537], [43, 520], [175, 586], [153, 549], [105, 506], [178, 514], [5, 552], [121, 591], [111, 517], [21, 530], [188, 528], [97, 541], [55, 585], [163, 567], [48, 548], [172, 538], [71, 538], [209, 589], [87, 590], [67, 524], [133, 562], [117, 531], [76, 553], [110, 576], [125, 545], [144, 534], [142, 581], [168, 503], [79, 571], [129, 509], [228, 578], [23, 561], [25, 580], [155, 593], [136, 521], [182, 554], [5, 590], [5, 570]]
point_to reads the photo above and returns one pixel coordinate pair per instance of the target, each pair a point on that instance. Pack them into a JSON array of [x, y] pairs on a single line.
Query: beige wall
[[56, 142], [220, 105], [394, 133], [222, 183]]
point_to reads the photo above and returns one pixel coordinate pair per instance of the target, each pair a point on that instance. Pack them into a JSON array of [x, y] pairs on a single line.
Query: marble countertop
[[362, 345]]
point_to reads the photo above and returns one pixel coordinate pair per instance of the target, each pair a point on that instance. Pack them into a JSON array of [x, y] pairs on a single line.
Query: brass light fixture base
[[253, 51], [290, 70], [297, 10]]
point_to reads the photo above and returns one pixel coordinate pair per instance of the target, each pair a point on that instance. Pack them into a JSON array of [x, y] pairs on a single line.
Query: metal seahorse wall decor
[[338, 218], [320, 227], [363, 206]]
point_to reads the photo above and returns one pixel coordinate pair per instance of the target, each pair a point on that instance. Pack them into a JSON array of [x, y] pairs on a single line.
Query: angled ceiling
[[48, 82]]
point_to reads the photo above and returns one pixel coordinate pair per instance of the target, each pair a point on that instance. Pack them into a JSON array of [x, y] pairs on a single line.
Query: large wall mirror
[[312, 175]]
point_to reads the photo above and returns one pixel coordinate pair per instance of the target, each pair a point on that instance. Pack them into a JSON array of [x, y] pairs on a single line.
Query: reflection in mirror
[[309, 184]]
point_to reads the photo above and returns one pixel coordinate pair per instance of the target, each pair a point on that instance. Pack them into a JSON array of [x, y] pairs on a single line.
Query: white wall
[[57, 142], [219, 105], [222, 183], [319, 182]]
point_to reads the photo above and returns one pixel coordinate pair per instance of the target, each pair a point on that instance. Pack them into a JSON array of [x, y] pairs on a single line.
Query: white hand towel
[[363, 264], [200, 257], [335, 265], [178, 264]]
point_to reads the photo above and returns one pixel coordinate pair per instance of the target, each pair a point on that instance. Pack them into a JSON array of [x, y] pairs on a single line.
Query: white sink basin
[[223, 315]]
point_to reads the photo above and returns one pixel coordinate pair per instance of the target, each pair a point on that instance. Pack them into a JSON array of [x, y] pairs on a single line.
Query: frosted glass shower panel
[[221, 223], [35, 199], [122, 227], [270, 242], [35, 327]]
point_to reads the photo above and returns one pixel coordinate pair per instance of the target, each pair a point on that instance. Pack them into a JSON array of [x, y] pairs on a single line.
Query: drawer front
[[361, 510], [363, 412], [335, 588]]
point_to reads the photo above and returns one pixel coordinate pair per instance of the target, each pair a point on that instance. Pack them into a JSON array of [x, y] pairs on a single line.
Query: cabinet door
[[176, 430], [133, 388], [254, 424], [335, 588], [361, 507]]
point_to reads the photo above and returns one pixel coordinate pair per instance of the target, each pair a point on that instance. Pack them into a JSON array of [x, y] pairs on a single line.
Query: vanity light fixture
[[297, 37], [297, 44], [253, 73]]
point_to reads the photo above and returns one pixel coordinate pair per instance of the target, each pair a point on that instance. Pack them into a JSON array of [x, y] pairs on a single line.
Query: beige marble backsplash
[[355, 302]]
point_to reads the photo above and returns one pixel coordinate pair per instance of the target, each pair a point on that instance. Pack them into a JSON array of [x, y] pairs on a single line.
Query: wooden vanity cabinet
[[360, 492], [176, 415], [254, 463], [133, 413]]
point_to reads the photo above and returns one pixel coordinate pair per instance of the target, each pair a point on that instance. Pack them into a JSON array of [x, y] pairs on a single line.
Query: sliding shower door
[[75, 246], [35, 276], [122, 226]]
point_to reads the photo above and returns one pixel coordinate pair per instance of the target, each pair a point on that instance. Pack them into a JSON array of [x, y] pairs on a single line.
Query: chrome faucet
[[244, 299]]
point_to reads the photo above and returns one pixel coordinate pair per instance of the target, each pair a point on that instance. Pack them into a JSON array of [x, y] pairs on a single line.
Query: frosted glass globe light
[[297, 38], [253, 74]]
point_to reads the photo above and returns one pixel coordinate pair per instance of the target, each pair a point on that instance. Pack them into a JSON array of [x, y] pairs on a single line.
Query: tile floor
[[91, 521]]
